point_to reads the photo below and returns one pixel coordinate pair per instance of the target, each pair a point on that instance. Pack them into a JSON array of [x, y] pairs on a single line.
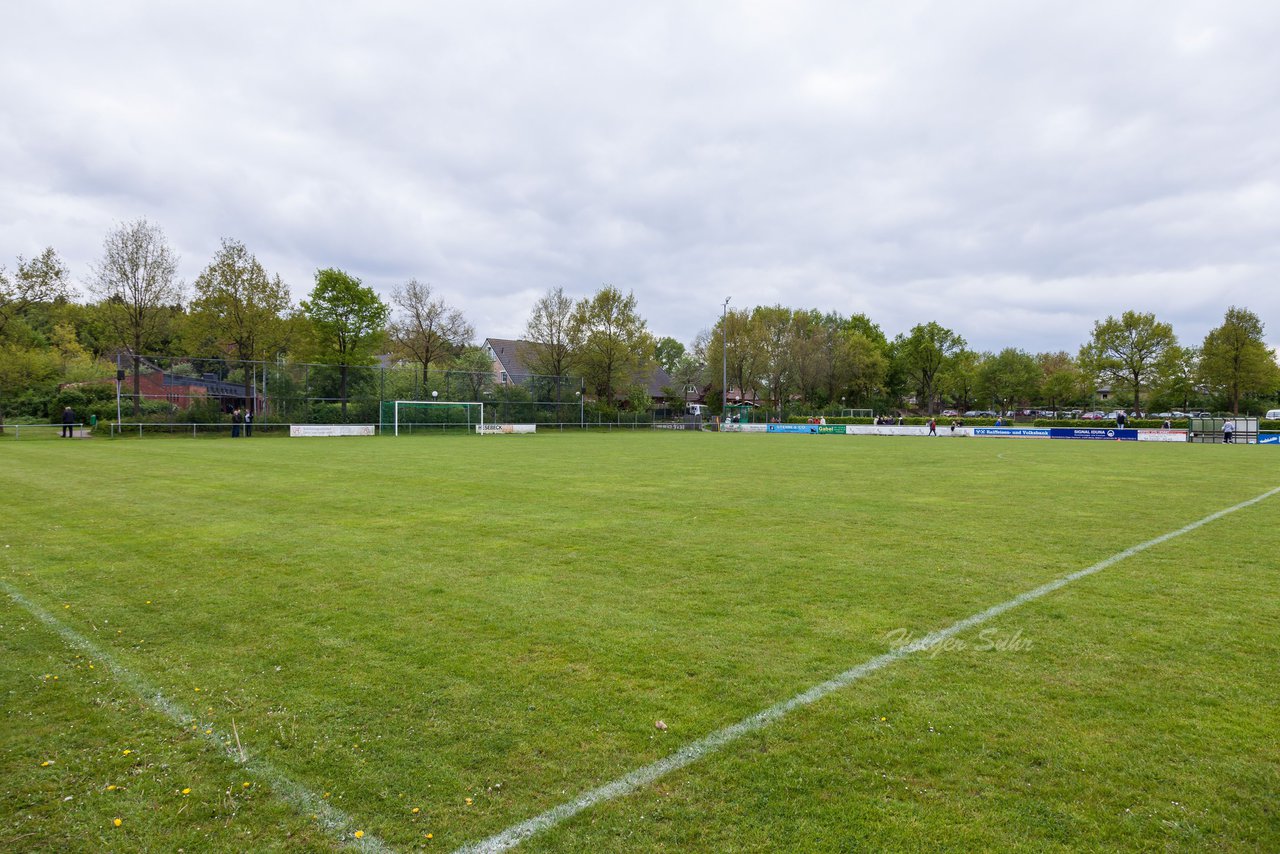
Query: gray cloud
[[1014, 171]]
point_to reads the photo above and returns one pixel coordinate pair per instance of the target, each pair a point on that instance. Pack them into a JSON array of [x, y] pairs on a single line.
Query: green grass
[[411, 623]]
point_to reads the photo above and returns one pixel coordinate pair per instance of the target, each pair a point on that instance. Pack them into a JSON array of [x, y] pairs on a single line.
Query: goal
[[406, 416], [857, 413]]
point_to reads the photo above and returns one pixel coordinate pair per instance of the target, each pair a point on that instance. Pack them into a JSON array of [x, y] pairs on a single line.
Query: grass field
[[428, 640]]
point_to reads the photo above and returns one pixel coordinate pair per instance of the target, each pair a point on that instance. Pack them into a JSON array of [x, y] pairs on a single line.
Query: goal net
[[407, 416]]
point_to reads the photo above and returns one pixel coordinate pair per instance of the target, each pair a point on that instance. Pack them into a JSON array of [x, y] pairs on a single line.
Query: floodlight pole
[[724, 360]]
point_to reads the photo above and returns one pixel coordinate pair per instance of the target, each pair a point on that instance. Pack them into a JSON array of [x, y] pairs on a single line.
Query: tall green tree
[[1235, 358], [668, 351], [238, 306], [770, 329], [138, 290], [42, 279], [959, 380], [347, 320], [425, 327], [925, 352], [1010, 377], [1059, 378], [549, 332], [613, 344], [1126, 351]]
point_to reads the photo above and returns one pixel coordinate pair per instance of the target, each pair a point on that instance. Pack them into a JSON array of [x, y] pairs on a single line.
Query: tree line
[[235, 310]]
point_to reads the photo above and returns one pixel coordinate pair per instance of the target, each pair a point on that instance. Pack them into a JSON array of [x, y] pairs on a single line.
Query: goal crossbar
[[397, 404]]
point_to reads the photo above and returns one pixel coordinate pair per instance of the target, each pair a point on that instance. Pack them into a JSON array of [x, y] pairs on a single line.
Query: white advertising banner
[[332, 429], [505, 429], [1162, 435]]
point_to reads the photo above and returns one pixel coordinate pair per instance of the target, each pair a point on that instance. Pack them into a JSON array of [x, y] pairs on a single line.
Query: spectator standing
[[1229, 432], [933, 427], [68, 419], [236, 419], [1120, 418], [248, 423]]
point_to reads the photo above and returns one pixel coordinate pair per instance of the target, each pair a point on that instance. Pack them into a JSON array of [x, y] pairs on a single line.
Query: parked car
[[950, 413], [1272, 415], [1096, 415], [981, 413]]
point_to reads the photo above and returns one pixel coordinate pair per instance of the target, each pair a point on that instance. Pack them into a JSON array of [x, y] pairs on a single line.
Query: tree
[[238, 305], [474, 369], [925, 352], [1126, 351], [1177, 377], [1009, 377], [1059, 378], [667, 351], [136, 285], [861, 362], [43, 279], [770, 331], [1235, 359], [614, 344], [959, 379], [550, 333], [427, 329], [348, 320]]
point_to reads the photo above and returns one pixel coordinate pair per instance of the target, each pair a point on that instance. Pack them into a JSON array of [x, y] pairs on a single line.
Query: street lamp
[[724, 361]]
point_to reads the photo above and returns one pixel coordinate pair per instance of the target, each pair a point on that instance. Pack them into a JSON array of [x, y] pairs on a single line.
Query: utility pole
[[724, 361]]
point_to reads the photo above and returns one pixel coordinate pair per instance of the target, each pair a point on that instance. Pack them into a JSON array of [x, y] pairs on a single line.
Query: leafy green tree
[[959, 379], [770, 329], [238, 306], [550, 331], [1125, 352], [1177, 377], [613, 342], [667, 351], [347, 320], [1235, 358], [43, 279], [925, 352], [861, 362], [472, 371], [1011, 376], [138, 291], [1059, 378]]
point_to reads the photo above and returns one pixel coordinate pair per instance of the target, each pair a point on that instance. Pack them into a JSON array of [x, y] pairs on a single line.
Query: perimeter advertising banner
[[505, 429], [1112, 433], [1269, 438], [793, 428], [1014, 432], [331, 429]]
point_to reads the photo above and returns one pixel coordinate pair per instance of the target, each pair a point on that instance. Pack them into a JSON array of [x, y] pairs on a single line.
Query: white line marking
[[692, 752], [337, 823]]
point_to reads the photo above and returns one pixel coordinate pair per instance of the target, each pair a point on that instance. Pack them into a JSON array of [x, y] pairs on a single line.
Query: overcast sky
[[1012, 170]]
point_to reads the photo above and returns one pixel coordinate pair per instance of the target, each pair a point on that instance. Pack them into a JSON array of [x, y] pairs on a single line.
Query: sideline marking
[[692, 752], [339, 825]]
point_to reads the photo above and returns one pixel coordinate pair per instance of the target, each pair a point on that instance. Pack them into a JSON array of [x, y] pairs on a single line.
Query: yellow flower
[[197, 690], [430, 836], [111, 788], [326, 794], [127, 752], [416, 810], [46, 763], [208, 732], [186, 791], [244, 785], [117, 822], [468, 800], [66, 606], [883, 718], [359, 834]]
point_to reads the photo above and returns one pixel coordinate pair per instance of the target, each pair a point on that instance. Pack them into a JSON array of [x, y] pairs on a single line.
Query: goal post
[[410, 415]]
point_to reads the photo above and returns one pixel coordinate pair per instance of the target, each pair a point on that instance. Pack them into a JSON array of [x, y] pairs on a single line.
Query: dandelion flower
[[468, 801], [111, 788], [416, 810], [127, 752], [186, 791], [117, 822], [359, 834], [431, 836], [244, 785], [46, 763]]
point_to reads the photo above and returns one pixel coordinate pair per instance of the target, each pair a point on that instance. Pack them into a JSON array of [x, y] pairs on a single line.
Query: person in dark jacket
[[248, 423], [236, 419], [68, 419]]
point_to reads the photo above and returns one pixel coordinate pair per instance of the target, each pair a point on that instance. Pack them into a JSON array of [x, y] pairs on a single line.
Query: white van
[[698, 409], [1272, 415]]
